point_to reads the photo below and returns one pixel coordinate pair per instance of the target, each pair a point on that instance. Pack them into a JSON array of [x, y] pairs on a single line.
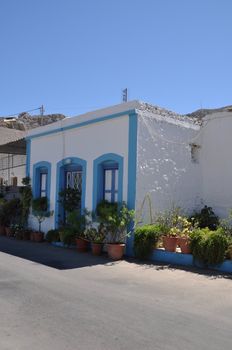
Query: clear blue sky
[[77, 55]]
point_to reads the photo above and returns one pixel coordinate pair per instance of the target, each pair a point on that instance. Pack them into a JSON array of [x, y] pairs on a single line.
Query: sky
[[75, 56]]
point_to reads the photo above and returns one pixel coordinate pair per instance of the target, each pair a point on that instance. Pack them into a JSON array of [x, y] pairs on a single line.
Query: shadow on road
[[46, 254], [211, 274]]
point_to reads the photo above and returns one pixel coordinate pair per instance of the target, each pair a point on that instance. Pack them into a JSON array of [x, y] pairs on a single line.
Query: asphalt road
[[83, 302]]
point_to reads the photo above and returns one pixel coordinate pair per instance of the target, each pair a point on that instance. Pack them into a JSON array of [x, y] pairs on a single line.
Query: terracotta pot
[[115, 251], [9, 232], [2, 230], [96, 248], [170, 243], [82, 245], [184, 244], [38, 236]]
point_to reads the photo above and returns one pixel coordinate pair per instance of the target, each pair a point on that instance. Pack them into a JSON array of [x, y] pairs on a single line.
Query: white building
[[132, 151]]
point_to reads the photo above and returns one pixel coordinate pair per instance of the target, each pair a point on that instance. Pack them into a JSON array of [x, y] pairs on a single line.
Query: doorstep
[[177, 258]]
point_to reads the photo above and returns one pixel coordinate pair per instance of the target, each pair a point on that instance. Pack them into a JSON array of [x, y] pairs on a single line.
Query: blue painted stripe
[[28, 157], [78, 125], [132, 170]]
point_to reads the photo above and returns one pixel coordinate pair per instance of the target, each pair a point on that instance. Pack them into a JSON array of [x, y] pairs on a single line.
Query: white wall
[[165, 170], [216, 154], [88, 142]]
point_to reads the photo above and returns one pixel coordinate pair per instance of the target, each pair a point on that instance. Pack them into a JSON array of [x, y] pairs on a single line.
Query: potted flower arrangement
[[185, 227], [116, 218], [40, 211]]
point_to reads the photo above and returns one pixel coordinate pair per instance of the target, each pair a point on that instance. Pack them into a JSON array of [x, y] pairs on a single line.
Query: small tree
[[116, 218], [40, 210]]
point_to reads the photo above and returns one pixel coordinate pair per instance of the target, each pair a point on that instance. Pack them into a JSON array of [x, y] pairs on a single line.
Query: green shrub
[[145, 239], [206, 218], [68, 236], [209, 247], [52, 236]]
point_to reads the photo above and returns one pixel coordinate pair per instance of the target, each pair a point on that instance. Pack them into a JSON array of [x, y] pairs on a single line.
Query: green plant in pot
[[76, 222], [41, 212], [12, 211], [183, 228], [116, 218], [97, 237]]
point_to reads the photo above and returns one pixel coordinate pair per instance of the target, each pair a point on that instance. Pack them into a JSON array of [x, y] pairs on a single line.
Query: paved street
[[76, 301]]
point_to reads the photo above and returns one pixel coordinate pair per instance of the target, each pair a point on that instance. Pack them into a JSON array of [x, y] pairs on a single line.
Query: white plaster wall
[[88, 142], [165, 170], [216, 155]]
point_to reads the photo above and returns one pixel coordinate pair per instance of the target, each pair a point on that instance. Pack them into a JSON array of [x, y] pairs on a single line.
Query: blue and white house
[[147, 156]]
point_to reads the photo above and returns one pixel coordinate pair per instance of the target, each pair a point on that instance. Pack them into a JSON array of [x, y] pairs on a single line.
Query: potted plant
[[39, 210], [12, 213], [183, 227], [96, 237], [170, 241], [116, 218], [77, 223]]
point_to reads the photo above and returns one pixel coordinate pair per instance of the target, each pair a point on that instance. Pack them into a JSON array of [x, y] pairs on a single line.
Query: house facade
[[144, 155]]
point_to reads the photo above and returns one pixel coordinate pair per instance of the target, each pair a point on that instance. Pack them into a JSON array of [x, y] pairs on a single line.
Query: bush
[[206, 218], [52, 236], [209, 247], [145, 239], [67, 235], [12, 210]]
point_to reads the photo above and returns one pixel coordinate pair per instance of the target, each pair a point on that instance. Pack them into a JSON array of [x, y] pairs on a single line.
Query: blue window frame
[[42, 180], [110, 182], [107, 186]]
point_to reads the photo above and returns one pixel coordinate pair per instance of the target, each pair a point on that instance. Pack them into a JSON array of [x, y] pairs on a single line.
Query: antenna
[[124, 95], [42, 110]]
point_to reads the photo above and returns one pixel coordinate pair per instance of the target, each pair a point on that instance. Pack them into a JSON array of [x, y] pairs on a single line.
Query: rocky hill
[[25, 121]]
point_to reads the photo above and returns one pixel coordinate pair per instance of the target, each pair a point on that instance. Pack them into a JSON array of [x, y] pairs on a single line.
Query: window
[[107, 179], [41, 180], [110, 183], [43, 184]]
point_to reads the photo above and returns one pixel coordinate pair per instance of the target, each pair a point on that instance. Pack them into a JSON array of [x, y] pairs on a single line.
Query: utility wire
[[12, 115]]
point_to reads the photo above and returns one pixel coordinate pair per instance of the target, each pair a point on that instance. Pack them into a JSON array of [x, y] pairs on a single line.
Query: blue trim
[[28, 157], [78, 125], [98, 177], [187, 260], [132, 171], [39, 168], [60, 169]]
